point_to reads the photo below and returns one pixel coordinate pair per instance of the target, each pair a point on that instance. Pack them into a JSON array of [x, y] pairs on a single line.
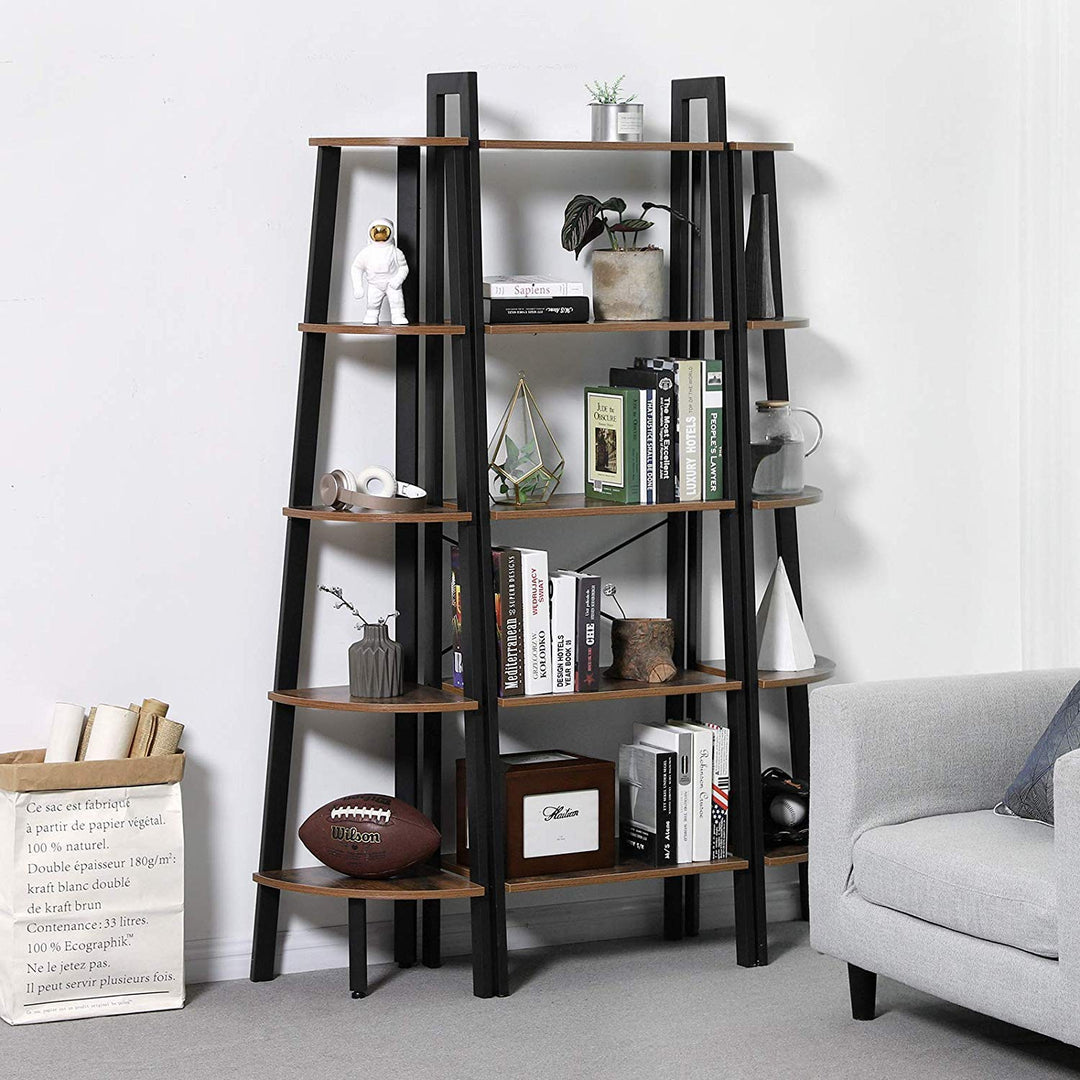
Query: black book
[[663, 382], [647, 804], [587, 646], [555, 309]]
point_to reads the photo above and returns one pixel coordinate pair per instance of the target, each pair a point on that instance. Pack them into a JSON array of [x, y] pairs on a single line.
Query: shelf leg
[[692, 905], [358, 983], [673, 908]]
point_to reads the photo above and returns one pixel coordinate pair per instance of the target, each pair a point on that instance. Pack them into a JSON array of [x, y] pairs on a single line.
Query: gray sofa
[[914, 877]]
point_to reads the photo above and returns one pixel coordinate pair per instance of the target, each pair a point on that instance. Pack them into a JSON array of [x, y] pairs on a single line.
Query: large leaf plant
[[585, 219]]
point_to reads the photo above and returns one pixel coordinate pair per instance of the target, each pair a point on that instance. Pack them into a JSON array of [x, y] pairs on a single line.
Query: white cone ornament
[[379, 271], [782, 641]]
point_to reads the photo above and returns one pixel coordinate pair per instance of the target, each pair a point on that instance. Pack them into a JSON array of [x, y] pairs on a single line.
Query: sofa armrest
[[883, 753], [1067, 856]]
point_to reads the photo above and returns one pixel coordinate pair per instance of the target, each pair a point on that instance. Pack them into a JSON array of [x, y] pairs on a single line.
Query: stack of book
[[673, 794], [548, 624], [533, 298], [656, 434]]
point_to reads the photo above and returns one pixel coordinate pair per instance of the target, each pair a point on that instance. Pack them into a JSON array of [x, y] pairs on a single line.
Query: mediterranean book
[[587, 632], [508, 620], [523, 286], [701, 787], [680, 742], [536, 621], [563, 589], [612, 443], [647, 804], [713, 402], [720, 791], [458, 674], [662, 382], [562, 309]]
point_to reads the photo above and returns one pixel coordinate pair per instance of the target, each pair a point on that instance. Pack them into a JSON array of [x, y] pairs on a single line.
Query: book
[[507, 563], [521, 286], [536, 620], [681, 742], [688, 383], [562, 309], [587, 632], [720, 791], [701, 787], [612, 443], [563, 591], [458, 674], [713, 452], [647, 804], [662, 381], [647, 448]]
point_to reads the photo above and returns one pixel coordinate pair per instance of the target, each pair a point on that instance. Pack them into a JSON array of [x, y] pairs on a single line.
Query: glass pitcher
[[776, 448]]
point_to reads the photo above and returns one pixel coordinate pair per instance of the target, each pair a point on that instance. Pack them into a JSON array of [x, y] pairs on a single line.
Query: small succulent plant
[[604, 94]]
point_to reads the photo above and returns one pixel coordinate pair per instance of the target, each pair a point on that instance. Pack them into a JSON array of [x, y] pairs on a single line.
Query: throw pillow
[[1031, 794]]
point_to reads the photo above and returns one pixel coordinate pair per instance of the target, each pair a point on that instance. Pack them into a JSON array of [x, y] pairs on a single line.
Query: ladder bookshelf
[[707, 311]]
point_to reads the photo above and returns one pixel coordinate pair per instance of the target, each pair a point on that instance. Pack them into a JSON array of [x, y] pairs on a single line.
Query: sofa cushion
[[979, 873], [1031, 794]]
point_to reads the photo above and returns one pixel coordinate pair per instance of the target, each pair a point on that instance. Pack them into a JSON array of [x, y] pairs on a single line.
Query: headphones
[[341, 489]]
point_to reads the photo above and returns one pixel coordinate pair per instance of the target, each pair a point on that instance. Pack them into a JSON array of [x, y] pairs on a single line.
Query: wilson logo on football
[[352, 835], [361, 813]]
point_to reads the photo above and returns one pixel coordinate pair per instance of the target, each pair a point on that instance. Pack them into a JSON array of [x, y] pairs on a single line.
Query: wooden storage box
[[560, 813]]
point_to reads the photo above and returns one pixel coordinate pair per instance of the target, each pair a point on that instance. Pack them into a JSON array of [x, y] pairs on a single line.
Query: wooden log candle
[[641, 650]]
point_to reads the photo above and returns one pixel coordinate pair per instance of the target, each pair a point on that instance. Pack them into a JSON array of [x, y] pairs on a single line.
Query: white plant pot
[[628, 285]]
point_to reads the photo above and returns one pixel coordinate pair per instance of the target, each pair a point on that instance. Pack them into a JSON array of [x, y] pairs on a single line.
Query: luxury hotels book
[[612, 443]]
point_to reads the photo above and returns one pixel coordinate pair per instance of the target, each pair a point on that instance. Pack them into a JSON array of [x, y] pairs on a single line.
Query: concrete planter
[[628, 285]]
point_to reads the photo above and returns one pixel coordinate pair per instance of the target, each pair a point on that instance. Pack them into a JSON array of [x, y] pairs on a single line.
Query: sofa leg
[[863, 986]]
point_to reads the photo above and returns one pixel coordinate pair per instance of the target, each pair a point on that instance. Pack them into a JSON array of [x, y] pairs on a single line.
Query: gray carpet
[[621, 1010]]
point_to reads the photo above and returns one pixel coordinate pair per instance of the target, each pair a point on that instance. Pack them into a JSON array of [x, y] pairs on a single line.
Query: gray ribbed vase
[[375, 664]]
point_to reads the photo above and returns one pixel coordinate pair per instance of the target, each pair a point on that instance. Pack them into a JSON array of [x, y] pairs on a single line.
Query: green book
[[714, 429], [612, 443]]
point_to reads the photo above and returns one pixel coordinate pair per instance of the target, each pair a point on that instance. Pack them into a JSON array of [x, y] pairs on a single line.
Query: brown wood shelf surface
[[771, 680], [685, 682], [589, 144], [627, 871], [415, 699], [432, 884], [787, 322], [389, 140], [611, 327], [427, 515], [761, 146], [807, 497], [578, 504], [383, 329], [786, 855]]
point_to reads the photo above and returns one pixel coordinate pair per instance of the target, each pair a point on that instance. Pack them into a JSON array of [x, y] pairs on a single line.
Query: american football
[[369, 836]]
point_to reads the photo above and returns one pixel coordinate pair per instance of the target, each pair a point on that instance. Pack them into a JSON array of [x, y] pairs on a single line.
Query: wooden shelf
[[771, 680], [580, 505], [411, 330], [807, 497], [786, 855], [686, 682], [761, 146], [432, 884], [427, 515], [628, 871], [610, 327], [415, 699], [391, 140], [589, 144], [788, 322]]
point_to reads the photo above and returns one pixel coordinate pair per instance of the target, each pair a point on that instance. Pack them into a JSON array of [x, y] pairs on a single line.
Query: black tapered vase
[[375, 664], [760, 301]]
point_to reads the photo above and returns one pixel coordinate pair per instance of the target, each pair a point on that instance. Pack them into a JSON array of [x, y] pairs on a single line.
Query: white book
[[700, 787], [526, 286], [667, 737], [536, 623], [720, 790], [563, 588]]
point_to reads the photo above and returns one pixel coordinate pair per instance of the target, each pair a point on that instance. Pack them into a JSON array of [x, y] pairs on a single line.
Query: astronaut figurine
[[379, 271]]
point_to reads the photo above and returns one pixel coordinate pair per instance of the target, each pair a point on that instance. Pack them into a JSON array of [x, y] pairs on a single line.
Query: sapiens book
[[507, 566], [647, 804], [562, 309], [522, 286], [587, 632], [681, 743], [612, 443], [713, 407], [721, 788], [457, 676], [563, 589], [662, 381], [701, 787], [536, 621]]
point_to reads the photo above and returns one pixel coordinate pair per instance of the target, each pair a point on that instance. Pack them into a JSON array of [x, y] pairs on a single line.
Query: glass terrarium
[[524, 459]]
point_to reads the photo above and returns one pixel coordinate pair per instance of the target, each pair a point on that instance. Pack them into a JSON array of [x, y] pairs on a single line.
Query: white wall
[[157, 185]]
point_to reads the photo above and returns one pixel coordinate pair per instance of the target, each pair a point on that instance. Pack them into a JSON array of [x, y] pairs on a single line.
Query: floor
[[636, 1009]]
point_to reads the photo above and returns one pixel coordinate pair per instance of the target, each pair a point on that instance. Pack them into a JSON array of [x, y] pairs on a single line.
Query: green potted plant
[[616, 117], [628, 278]]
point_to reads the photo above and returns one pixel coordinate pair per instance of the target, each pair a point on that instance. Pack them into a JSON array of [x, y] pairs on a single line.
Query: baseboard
[[528, 927]]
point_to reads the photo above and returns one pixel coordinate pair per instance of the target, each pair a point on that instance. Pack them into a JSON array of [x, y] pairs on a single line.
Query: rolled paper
[[66, 731], [88, 727], [152, 705], [166, 738], [151, 712], [114, 727]]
